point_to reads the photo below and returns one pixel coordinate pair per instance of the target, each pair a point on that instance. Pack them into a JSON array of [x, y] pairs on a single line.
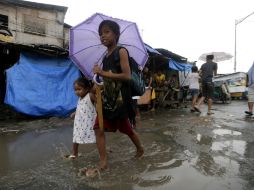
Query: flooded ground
[[183, 150]]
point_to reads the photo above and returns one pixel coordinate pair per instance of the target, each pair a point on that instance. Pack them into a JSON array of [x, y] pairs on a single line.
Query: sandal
[[210, 113], [71, 156], [197, 109], [249, 113]]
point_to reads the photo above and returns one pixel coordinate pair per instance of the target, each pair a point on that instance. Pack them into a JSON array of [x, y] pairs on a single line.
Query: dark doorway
[[8, 57], [3, 21]]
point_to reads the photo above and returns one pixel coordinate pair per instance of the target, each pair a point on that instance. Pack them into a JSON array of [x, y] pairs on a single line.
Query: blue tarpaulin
[[42, 86], [179, 66]]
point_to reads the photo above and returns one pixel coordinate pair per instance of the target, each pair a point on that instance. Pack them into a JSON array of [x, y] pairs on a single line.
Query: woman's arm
[[125, 67]]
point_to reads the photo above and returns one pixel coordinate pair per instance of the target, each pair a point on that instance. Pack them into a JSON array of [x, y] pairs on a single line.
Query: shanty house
[[36, 75]]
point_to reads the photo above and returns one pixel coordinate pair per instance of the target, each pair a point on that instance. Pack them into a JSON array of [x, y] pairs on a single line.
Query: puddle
[[236, 146], [154, 180], [199, 137], [222, 132], [229, 164]]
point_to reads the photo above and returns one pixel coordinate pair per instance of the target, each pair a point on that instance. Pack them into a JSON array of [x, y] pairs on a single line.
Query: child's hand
[[72, 115], [97, 69]]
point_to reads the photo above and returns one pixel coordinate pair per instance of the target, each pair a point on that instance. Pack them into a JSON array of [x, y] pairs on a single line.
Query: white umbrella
[[218, 56]]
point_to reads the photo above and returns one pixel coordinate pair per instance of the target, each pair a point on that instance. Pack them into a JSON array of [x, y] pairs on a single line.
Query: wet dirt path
[[183, 150]]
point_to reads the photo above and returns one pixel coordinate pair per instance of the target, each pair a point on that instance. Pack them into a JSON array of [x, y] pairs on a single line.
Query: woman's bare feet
[[140, 153]]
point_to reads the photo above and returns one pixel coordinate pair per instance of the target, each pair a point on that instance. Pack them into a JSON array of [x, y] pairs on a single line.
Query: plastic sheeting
[[42, 86], [179, 66]]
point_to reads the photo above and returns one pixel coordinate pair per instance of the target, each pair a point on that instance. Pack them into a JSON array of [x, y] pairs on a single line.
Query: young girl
[[85, 115], [116, 93], [194, 86]]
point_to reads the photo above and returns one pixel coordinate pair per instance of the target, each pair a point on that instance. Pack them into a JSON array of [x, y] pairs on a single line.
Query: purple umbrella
[[86, 49]]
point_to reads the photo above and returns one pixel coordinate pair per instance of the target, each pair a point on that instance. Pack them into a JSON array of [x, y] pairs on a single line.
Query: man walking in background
[[207, 71]]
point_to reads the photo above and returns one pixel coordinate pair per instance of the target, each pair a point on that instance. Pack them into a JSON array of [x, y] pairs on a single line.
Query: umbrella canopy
[[86, 49], [218, 56]]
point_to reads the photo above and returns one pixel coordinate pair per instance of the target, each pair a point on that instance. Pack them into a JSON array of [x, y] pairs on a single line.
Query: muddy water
[[183, 151]]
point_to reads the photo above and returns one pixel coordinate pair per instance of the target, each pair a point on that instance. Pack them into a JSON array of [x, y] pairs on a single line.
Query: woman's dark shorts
[[123, 125], [194, 92]]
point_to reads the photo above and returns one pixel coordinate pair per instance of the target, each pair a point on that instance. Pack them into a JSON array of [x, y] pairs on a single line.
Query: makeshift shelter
[[39, 84], [178, 66]]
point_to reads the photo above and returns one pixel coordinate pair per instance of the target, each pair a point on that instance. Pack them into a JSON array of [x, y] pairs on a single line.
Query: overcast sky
[[186, 27]]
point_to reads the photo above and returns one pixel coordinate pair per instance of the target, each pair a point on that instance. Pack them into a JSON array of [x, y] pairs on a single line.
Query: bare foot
[[91, 172], [103, 165], [140, 153]]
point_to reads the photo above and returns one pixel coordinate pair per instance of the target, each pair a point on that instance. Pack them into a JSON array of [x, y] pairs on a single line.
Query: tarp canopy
[[151, 50], [172, 55], [179, 66], [42, 86]]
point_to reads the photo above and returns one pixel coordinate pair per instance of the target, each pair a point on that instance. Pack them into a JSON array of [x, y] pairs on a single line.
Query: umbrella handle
[[97, 80], [99, 107]]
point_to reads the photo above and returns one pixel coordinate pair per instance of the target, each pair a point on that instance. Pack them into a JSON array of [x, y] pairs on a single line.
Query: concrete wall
[[35, 26], [66, 37]]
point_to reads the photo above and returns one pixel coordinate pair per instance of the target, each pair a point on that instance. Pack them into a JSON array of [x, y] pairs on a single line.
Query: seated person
[[173, 86], [150, 83], [173, 83], [160, 79], [225, 90]]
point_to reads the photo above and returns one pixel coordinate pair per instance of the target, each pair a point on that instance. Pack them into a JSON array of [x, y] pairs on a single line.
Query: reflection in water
[[236, 146], [4, 158], [155, 180], [229, 164], [226, 132], [246, 166], [206, 164], [5, 152], [205, 161]]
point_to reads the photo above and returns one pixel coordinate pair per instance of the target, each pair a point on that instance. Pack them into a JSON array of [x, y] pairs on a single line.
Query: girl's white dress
[[84, 121]]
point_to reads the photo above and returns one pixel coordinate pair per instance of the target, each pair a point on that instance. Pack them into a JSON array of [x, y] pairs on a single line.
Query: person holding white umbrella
[[207, 71]]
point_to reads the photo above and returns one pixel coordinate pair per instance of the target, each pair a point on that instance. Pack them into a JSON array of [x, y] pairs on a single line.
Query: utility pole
[[236, 23]]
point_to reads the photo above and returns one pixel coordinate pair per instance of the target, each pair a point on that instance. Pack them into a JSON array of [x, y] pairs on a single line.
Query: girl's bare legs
[[194, 100], [136, 141], [75, 149], [200, 101], [101, 145]]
